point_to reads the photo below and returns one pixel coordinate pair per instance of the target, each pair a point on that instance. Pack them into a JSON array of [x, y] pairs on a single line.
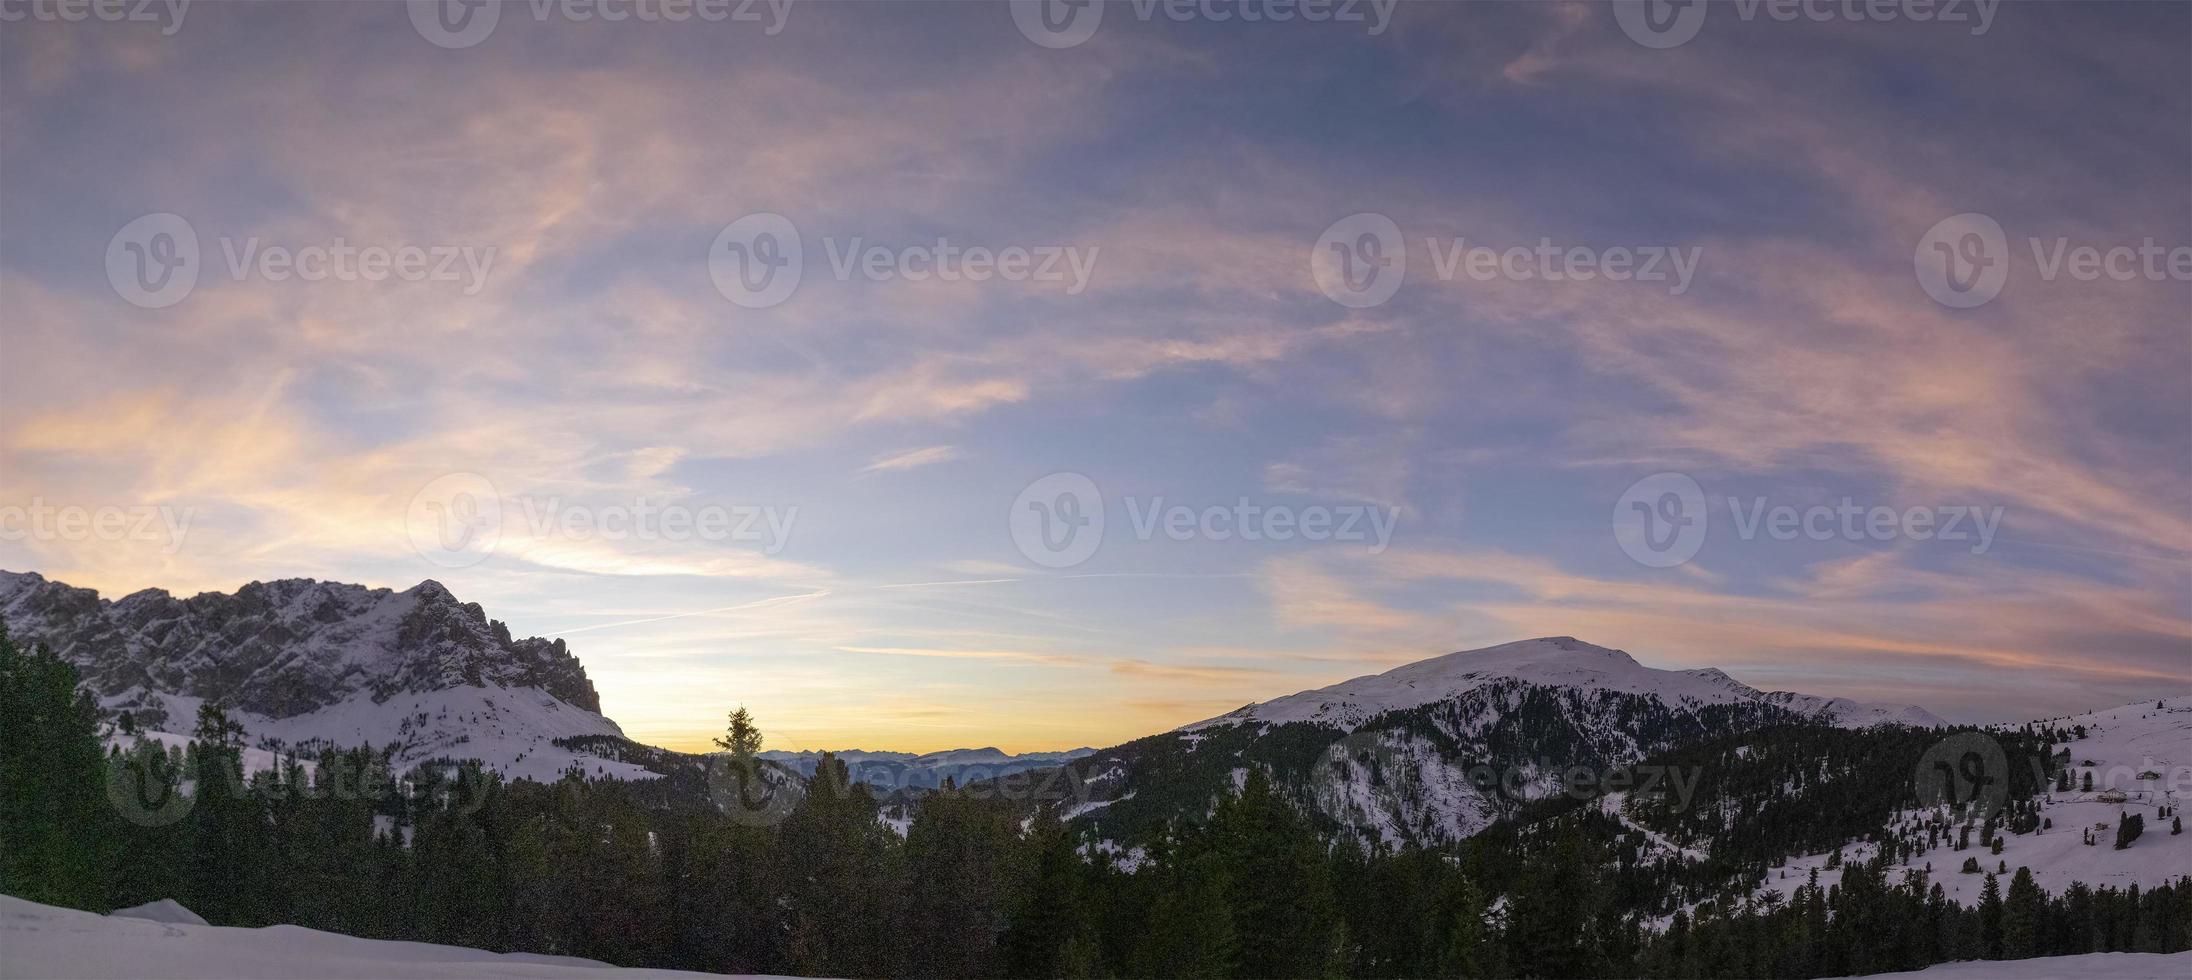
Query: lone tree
[[743, 738]]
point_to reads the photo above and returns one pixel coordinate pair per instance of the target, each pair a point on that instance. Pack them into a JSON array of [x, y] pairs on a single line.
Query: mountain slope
[[2121, 746], [1437, 750], [1553, 661], [303, 664]]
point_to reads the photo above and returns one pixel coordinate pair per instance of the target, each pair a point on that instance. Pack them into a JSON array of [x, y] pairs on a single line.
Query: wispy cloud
[[911, 458]]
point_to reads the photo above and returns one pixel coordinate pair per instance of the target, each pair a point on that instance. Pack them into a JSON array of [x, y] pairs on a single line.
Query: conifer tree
[[1990, 919], [1046, 906], [52, 774]]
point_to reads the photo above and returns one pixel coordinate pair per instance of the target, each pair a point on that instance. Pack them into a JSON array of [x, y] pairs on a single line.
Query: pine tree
[[960, 851], [1188, 928], [1045, 910], [228, 823], [841, 865], [1466, 953], [741, 737], [2021, 917], [54, 846], [1990, 919], [1281, 897]]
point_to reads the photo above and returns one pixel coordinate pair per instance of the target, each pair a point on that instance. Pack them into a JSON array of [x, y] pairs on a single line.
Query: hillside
[[2120, 744], [1437, 750]]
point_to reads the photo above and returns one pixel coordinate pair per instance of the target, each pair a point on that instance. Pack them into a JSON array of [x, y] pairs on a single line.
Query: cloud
[[907, 459]]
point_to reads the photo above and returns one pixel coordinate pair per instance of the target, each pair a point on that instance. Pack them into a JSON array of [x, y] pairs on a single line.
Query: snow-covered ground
[[41, 942], [509, 730], [2084, 966], [1553, 661], [2120, 743]]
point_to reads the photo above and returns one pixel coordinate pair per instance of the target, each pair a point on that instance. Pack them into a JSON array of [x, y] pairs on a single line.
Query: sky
[[924, 376]]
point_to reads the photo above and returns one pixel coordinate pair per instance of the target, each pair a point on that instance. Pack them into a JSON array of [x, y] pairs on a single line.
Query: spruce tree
[[55, 842], [1990, 919], [2021, 913]]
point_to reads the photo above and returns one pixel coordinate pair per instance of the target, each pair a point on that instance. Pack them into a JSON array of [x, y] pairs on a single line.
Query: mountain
[[1437, 750], [1553, 661], [302, 664], [899, 770]]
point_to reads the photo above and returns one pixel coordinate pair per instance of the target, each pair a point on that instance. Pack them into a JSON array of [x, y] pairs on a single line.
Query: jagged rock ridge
[[285, 648]]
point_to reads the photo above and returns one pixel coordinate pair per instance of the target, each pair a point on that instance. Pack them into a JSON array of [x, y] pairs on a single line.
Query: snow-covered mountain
[[1439, 749], [895, 770], [301, 664], [1552, 661]]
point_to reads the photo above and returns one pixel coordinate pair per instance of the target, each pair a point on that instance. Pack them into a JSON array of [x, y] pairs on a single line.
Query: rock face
[[282, 649]]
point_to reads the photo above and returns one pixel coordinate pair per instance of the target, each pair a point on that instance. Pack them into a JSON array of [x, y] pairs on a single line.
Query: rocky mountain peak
[[285, 647]]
